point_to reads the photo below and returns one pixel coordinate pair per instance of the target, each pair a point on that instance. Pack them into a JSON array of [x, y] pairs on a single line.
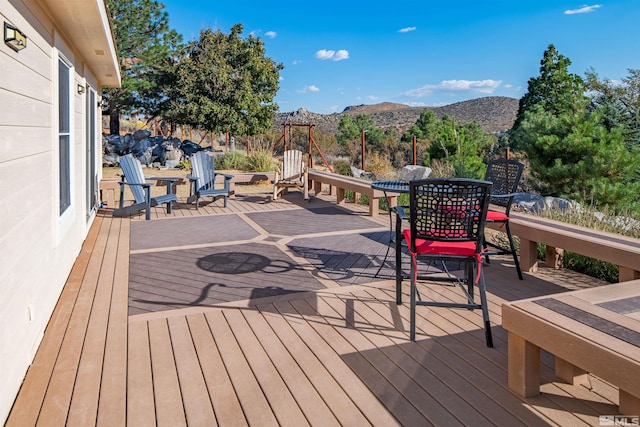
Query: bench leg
[[528, 255], [373, 207], [554, 257], [628, 404], [571, 374], [625, 274], [317, 187], [523, 366]]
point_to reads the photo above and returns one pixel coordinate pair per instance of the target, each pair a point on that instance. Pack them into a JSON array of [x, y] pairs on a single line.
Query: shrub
[[260, 161], [231, 160], [342, 167]]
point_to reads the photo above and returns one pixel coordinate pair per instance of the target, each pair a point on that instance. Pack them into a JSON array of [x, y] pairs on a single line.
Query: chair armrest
[[162, 178], [142, 184], [400, 212], [225, 175]]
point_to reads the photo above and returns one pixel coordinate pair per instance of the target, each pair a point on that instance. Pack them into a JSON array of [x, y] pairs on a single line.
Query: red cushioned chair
[[447, 219], [505, 175]]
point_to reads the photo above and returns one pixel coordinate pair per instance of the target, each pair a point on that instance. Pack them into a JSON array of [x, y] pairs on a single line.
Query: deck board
[[254, 403], [335, 353], [140, 398], [166, 385]]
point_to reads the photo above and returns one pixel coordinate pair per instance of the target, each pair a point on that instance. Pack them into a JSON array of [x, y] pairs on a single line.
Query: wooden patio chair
[[505, 175], [203, 180], [133, 177], [447, 219], [291, 173]]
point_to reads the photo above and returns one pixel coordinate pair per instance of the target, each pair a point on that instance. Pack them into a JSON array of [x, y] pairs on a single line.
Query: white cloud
[[310, 88], [406, 29], [448, 86], [271, 34], [325, 54], [296, 62], [372, 98], [582, 9], [340, 55]]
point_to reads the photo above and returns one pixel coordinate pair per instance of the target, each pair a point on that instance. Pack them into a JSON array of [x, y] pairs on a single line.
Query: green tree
[[425, 128], [146, 49], [464, 147], [573, 155], [225, 83], [619, 102], [555, 89], [350, 135], [350, 128]]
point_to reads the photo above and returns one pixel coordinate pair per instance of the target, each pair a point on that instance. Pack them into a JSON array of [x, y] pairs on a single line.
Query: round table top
[[391, 185]]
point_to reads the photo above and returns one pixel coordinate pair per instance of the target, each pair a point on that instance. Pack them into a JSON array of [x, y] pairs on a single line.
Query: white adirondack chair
[[291, 173]]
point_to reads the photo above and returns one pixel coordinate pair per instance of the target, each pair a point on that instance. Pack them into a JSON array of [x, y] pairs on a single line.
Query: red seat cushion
[[442, 248], [496, 216]]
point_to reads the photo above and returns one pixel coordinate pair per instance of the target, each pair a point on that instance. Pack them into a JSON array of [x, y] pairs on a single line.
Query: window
[[64, 134]]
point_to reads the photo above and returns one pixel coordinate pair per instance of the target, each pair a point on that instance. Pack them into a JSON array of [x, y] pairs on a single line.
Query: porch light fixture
[[14, 38], [81, 89]]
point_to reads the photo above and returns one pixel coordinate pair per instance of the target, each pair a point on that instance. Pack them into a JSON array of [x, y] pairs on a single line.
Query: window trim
[[66, 217]]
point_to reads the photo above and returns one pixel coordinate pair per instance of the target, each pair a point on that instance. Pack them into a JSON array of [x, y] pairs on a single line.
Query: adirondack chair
[[203, 177], [133, 177], [291, 173]]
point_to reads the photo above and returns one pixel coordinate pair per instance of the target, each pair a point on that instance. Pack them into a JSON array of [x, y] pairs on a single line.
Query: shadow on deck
[[272, 314]]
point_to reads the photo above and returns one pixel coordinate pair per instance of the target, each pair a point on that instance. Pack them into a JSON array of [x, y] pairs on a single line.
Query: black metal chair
[[447, 219], [505, 175]]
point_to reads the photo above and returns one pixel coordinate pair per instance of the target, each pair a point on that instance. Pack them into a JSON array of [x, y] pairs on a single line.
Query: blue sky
[[419, 53]]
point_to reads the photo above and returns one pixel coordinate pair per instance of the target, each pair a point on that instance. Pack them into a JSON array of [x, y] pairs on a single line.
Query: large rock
[[168, 152], [528, 202], [189, 147]]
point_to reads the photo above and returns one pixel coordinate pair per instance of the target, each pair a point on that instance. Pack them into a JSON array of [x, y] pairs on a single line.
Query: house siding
[[37, 250]]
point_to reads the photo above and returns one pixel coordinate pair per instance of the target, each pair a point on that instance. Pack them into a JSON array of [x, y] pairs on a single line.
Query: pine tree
[[555, 89], [146, 47]]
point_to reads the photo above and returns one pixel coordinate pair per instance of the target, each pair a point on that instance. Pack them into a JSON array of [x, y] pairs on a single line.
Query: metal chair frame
[[505, 175], [446, 223]]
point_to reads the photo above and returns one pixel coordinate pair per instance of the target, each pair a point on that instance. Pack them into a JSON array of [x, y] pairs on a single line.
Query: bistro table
[[390, 186]]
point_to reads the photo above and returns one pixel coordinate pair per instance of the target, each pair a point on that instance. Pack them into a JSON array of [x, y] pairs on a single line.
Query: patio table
[[594, 330]]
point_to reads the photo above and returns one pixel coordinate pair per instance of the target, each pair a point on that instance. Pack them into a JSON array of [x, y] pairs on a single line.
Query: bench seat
[[342, 183]]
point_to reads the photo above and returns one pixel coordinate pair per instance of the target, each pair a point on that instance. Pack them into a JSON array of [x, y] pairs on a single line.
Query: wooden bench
[[342, 183], [559, 236], [593, 330]]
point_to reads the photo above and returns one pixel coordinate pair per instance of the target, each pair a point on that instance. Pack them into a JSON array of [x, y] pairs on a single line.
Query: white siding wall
[[36, 254]]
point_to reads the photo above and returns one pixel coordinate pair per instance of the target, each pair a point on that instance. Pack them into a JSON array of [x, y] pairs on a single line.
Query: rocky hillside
[[494, 113]]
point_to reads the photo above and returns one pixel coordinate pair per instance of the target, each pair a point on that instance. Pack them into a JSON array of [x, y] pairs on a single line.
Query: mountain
[[494, 114]]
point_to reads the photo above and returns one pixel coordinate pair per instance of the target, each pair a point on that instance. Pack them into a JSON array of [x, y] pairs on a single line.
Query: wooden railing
[[559, 236]]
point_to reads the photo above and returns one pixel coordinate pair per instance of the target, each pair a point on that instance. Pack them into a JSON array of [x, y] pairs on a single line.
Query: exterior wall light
[[14, 38], [81, 89]]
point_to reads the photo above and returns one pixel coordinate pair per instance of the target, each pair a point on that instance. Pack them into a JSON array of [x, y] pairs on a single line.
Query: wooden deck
[[329, 348]]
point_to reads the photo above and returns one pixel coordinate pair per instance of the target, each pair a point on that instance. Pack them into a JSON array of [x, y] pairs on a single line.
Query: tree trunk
[[114, 121]]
